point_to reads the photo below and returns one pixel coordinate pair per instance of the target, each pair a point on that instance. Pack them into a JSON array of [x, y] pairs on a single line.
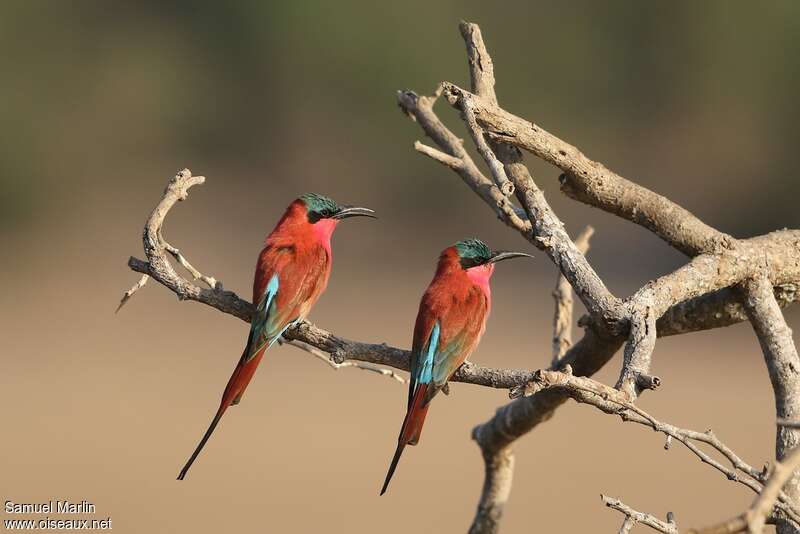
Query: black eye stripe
[[468, 263], [316, 215]]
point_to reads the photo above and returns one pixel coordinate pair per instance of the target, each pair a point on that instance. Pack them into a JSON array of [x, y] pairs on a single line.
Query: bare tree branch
[[210, 281], [700, 285], [481, 67], [445, 159], [590, 182], [755, 518], [614, 402], [705, 274], [711, 272], [627, 525], [498, 476], [634, 376], [783, 475], [158, 267], [783, 364], [685, 284], [714, 310], [562, 318], [420, 109], [726, 263], [737, 524], [632, 517], [496, 436], [497, 169], [717, 309], [325, 357], [549, 234]]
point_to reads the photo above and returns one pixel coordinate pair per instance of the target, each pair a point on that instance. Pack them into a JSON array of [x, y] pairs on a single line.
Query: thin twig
[[762, 507], [420, 109], [129, 293], [210, 281], [633, 516], [453, 162], [496, 168], [325, 357]]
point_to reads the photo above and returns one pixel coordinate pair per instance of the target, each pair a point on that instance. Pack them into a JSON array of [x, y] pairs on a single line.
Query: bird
[[292, 272], [450, 322]]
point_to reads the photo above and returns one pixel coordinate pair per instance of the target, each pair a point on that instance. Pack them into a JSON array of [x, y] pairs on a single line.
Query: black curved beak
[[353, 211], [501, 255]]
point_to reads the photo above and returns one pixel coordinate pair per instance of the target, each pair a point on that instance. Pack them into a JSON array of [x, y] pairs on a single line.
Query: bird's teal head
[[320, 207], [474, 252]]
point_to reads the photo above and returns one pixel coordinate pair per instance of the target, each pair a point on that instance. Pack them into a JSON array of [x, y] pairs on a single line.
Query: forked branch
[[696, 296]]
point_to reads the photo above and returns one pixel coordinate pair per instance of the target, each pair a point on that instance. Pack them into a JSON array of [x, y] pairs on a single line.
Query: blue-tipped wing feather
[[262, 331]]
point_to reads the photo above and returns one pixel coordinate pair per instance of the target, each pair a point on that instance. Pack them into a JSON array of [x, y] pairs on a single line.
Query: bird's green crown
[[473, 252], [319, 206]]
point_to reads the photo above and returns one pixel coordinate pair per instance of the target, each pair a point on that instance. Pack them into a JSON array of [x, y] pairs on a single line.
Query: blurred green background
[[694, 99], [103, 101]]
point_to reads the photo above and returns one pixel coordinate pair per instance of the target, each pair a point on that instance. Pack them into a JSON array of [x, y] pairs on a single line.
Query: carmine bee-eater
[[291, 274], [450, 322]]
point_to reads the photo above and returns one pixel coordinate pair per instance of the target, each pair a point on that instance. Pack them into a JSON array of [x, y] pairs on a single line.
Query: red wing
[[461, 316], [462, 326], [302, 274]]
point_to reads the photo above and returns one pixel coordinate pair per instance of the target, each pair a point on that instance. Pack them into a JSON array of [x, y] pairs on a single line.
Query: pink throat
[[480, 276], [323, 230]]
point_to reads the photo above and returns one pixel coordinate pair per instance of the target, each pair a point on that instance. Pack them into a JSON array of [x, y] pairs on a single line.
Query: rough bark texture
[[498, 475], [590, 182], [783, 364], [638, 354], [715, 310], [562, 295]]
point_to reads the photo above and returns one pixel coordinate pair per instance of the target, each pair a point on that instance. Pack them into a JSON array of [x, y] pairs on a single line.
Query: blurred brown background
[[103, 101]]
